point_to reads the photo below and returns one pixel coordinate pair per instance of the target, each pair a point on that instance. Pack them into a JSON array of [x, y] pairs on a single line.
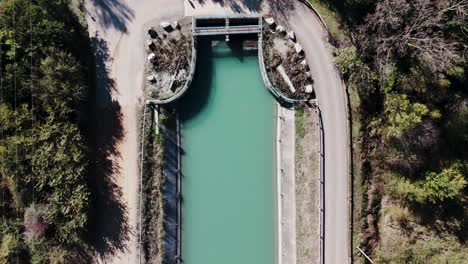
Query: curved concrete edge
[[187, 84], [277, 94]]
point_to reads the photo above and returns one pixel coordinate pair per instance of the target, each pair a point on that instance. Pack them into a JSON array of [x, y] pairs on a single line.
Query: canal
[[228, 160]]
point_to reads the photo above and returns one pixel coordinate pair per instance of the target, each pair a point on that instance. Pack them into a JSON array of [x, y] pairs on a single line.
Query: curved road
[[331, 98], [118, 25]]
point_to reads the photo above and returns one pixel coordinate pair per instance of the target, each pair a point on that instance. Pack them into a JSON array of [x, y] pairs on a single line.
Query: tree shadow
[[450, 217], [198, 94], [171, 195], [281, 8], [113, 13], [108, 227], [237, 6]]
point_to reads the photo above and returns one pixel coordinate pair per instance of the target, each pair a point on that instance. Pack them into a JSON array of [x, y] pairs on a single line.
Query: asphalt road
[[330, 92]]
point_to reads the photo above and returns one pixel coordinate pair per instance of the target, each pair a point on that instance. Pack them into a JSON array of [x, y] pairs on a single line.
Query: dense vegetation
[[405, 64], [45, 197]]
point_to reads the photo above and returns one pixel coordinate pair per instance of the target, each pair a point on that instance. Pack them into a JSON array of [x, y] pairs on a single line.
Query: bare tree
[[412, 29]]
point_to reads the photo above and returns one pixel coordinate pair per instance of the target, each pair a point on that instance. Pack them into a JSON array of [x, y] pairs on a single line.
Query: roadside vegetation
[[153, 189], [406, 69], [45, 197], [307, 178]]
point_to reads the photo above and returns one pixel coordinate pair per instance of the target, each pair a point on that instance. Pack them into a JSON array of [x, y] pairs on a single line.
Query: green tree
[[358, 74], [401, 114], [436, 187]]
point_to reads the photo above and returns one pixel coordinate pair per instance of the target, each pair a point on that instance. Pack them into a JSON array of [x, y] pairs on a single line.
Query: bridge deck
[[229, 30]]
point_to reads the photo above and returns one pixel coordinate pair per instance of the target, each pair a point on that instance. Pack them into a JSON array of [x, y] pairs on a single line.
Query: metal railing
[[322, 185]]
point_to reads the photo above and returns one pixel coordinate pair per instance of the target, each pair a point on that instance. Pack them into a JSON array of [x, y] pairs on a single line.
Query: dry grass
[[291, 62], [307, 187], [331, 18], [153, 202]]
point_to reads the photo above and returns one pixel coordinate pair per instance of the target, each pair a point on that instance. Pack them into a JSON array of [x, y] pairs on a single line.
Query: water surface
[[227, 121]]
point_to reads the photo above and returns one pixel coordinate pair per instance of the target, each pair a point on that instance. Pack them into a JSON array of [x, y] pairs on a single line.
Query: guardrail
[[322, 185], [179, 194]]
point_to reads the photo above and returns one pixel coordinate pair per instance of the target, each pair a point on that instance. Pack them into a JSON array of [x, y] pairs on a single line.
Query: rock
[[176, 25], [298, 48], [166, 26], [151, 78], [292, 36], [270, 21], [150, 44], [280, 29], [151, 57], [308, 88], [308, 74], [304, 64], [152, 32]]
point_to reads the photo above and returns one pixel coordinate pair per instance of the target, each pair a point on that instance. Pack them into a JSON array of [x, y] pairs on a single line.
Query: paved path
[[331, 99], [286, 131], [117, 28]]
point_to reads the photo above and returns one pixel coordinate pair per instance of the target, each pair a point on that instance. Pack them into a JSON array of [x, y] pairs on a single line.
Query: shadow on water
[[113, 13], [198, 94], [108, 227]]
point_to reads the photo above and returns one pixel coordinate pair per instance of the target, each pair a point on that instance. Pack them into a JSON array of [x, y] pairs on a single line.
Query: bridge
[[213, 25]]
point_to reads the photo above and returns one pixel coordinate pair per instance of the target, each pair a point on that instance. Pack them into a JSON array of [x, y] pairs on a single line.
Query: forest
[[405, 66], [44, 161]]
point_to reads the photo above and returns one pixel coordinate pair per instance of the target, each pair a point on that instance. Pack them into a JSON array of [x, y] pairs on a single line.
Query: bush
[[435, 187]]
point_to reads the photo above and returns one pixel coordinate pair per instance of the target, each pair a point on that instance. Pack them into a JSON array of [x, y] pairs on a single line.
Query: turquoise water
[[227, 121]]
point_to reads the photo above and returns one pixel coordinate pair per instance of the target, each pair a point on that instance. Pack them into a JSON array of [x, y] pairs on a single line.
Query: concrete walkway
[[287, 188]]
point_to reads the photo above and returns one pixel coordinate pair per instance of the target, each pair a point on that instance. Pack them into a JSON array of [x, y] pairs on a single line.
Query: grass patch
[[300, 127], [77, 7], [153, 191], [307, 176], [360, 185], [332, 20]]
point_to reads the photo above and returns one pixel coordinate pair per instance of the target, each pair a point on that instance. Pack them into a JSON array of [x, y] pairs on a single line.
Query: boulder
[[166, 26], [152, 32], [308, 88], [270, 21], [151, 57], [304, 64], [298, 48], [292, 36], [308, 74], [150, 44], [280, 29], [176, 25], [151, 78]]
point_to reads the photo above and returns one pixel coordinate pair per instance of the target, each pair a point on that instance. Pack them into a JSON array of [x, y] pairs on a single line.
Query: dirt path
[[117, 29]]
